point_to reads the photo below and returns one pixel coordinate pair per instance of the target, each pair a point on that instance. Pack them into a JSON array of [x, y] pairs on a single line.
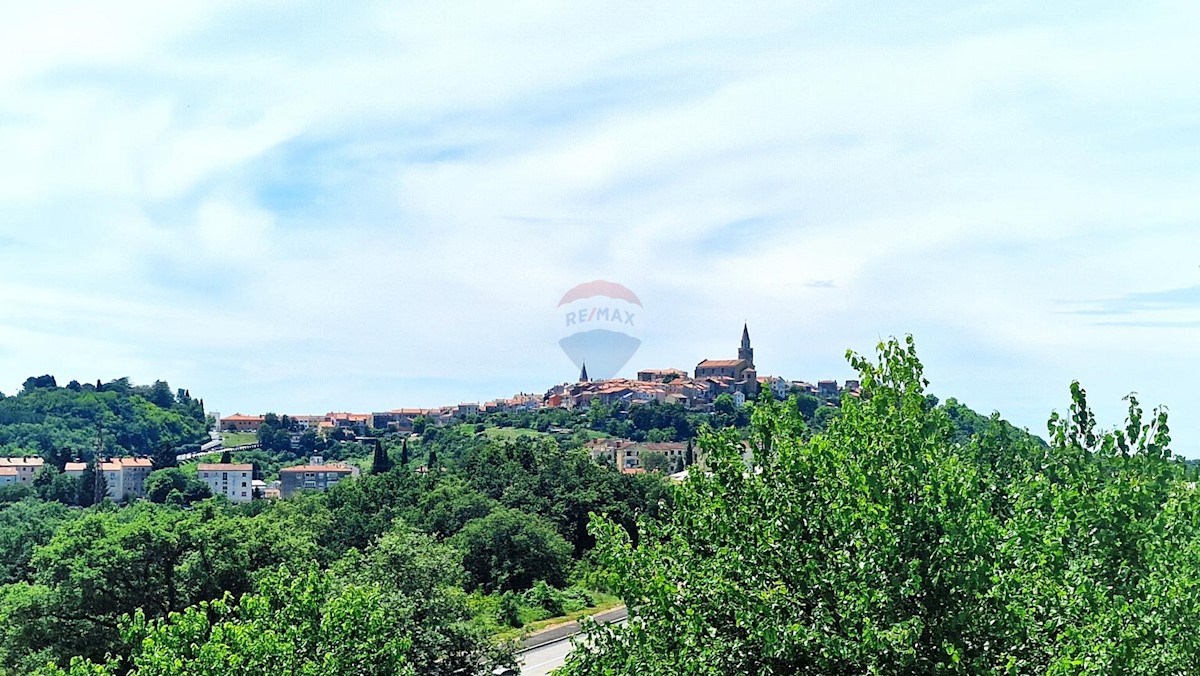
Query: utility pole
[[97, 497]]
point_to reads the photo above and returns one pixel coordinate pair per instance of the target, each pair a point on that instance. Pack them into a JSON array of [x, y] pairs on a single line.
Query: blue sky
[[303, 207]]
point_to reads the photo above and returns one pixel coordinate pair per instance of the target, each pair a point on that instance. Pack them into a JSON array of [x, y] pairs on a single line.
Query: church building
[[741, 370]]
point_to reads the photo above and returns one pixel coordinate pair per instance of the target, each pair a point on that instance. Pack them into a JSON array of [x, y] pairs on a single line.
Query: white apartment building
[[25, 467], [125, 478], [233, 480]]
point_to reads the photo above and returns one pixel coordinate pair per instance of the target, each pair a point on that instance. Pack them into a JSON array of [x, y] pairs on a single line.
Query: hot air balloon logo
[[601, 327]]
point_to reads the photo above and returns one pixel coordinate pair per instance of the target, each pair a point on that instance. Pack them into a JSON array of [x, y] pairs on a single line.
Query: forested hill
[[133, 419]]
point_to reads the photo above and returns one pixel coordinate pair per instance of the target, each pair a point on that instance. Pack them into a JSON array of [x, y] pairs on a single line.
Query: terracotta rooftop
[[664, 446], [220, 467], [720, 363], [317, 468], [238, 417], [21, 462], [8, 471]]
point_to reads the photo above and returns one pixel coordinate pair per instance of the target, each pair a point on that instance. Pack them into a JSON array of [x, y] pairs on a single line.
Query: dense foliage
[[44, 419], [893, 544], [433, 553]]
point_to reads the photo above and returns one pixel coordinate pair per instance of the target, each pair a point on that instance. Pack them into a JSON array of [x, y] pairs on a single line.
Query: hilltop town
[[299, 442], [699, 391]]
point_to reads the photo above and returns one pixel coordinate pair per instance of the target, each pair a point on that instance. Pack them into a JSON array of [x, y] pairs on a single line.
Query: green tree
[[510, 550], [447, 508], [380, 462], [165, 456], [162, 484], [24, 526], [110, 562], [93, 487], [653, 461], [297, 624], [887, 545], [508, 613]]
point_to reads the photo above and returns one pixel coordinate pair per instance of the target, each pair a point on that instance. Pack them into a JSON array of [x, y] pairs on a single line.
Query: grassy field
[[231, 439]]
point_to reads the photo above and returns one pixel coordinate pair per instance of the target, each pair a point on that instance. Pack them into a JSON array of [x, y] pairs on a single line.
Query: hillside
[[130, 419]]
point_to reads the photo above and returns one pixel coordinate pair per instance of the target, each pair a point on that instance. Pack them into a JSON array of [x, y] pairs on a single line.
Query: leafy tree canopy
[[890, 544]]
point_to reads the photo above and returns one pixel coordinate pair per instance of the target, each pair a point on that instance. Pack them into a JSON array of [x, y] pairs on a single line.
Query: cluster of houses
[[124, 477], [236, 481], [398, 420], [628, 456], [711, 378], [699, 390]]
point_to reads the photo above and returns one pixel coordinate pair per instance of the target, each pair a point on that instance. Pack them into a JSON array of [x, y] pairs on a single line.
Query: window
[[224, 476], [243, 484]]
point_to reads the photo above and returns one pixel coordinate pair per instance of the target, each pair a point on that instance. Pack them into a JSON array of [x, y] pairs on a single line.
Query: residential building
[[827, 388], [25, 467], [316, 476], [8, 475], [625, 454], [804, 387], [241, 423], [125, 478], [660, 375], [128, 477], [307, 422], [778, 386], [398, 419], [233, 480], [358, 422]]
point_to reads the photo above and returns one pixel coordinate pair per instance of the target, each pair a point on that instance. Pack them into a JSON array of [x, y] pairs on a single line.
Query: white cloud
[[291, 208]]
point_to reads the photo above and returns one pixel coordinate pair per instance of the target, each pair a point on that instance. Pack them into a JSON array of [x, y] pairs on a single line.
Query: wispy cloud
[[248, 197]]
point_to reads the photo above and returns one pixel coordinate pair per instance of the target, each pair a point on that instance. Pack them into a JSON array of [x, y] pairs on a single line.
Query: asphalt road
[[543, 660], [548, 650]]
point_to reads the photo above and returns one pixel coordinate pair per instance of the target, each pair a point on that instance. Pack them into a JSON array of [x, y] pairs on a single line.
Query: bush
[[509, 612], [546, 597]]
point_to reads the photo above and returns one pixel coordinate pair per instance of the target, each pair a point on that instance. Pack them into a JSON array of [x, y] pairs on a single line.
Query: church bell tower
[[745, 351]]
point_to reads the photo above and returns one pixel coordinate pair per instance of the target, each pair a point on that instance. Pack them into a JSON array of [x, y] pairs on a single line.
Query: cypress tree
[[404, 452], [381, 462]]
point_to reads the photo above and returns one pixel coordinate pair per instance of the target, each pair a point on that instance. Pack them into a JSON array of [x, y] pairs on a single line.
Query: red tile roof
[[720, 363], [21, 462], [220, 467], [317, 468]]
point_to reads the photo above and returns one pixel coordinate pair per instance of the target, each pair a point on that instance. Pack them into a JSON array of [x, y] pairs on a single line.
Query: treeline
[[125, 419], [399, 572], [894, 544]]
